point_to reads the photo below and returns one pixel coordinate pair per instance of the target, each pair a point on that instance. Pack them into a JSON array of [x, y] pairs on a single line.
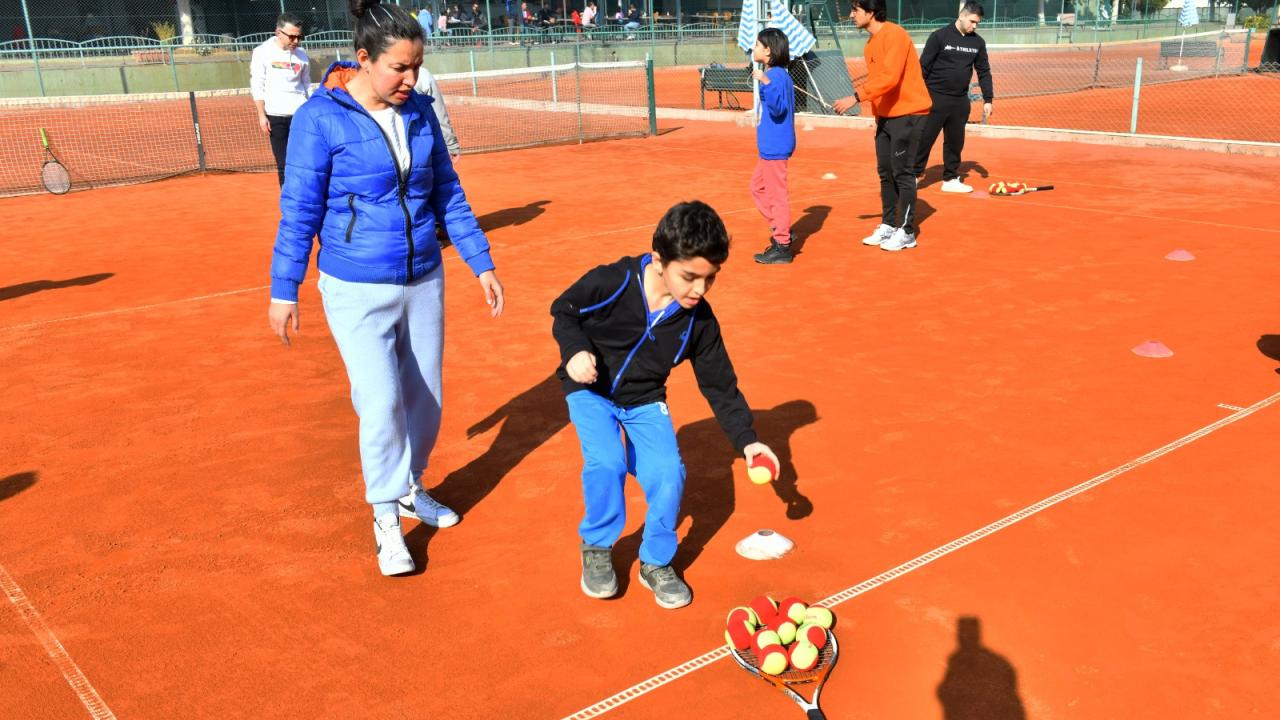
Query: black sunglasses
[[295, 38]]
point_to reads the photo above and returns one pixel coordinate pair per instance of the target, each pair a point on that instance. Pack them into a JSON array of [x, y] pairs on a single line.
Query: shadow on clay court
[[979, 684], [933, 173], [1269, 345], [512, 216], [710, 482], [809, 224], [27, 288], [15, 484]]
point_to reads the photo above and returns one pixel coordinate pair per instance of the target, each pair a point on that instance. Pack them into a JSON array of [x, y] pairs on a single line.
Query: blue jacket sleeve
[[302, 202], [774, 94], [450, 205]]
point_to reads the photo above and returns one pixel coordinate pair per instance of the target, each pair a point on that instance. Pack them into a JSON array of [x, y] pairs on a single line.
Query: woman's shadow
[[528, 420], [1269, 345], [979, 684], [14, 484], [709, 483]]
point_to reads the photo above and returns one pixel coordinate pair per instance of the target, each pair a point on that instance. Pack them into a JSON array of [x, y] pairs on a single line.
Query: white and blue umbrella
[[799, 39], [1188, 16]]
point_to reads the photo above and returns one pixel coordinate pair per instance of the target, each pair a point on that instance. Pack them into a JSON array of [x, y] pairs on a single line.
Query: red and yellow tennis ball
[[765, 608], [764, 639], [819, 616], [815, 635], [743, 615], [793, 609], [803, 656], [761, 470], [786, 632], [773, 660], [738, 635]]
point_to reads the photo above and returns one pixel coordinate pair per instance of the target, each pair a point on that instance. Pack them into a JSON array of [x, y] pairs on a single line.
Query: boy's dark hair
[[972, 8], [377, 26], [775, 41], [288, 18], [691, 230], [875, 7]]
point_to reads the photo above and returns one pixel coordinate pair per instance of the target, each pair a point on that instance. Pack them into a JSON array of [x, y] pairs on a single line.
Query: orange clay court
[[184, 534]]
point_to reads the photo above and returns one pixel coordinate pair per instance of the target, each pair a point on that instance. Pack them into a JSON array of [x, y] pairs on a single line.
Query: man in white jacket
[[280, 81]]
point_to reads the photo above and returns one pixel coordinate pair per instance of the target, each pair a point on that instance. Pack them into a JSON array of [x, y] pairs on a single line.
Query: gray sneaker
[[668, 589], [598, 578]]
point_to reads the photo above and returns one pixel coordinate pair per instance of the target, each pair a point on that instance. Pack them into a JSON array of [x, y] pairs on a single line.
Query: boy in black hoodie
[[621, 329]]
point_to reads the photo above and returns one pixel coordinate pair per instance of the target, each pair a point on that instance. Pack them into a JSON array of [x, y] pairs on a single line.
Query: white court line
[[702, 661], [136, 308], [1225, 406], [70, 671]]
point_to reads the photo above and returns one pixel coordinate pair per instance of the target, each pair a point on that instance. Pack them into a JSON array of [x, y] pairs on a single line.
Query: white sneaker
[[900, 240], [419, 504], [956, 185], [881, 234], [393, 555]]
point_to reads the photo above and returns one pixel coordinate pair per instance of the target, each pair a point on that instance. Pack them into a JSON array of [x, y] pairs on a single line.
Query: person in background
[[280, 82]]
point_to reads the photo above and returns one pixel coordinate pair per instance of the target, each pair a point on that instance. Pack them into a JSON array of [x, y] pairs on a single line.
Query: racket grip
[[815, 714], [44, 139]]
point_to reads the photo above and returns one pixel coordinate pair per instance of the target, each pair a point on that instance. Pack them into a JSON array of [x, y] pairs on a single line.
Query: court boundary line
[[920, 561], [71, 672]]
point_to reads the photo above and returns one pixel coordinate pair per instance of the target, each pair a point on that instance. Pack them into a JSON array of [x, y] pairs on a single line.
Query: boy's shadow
[[27, 288], [528, 420], [512, 216], [979, 684], [709, 482], [808, 225], [1269, 345]]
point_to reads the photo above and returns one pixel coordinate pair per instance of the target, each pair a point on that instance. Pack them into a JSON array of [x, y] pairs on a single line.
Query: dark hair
[[376, 26], [691, 230], [775, 41], [288, 18], [875, 7], [972, 8]]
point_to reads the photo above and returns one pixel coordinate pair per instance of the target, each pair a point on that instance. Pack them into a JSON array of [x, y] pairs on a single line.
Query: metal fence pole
[[174, 67], [1137, 94], [31, 41]]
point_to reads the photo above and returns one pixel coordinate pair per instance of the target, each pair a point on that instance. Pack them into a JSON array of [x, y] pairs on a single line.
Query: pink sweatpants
[[769, 190]]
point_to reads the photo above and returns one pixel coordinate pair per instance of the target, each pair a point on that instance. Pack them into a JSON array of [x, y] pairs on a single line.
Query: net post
[[1097, 64], [577, 93], [653, 100], [475, 87], [174, 68], [195, 124], [1248, 40], [1137, 94], [555, 90]]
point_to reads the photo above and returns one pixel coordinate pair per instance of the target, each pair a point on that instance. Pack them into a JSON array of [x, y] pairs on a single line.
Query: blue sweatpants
[[647, 450], [391, 338]]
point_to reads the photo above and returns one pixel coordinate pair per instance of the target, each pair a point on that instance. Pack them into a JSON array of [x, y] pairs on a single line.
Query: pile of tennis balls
[[782, 635]]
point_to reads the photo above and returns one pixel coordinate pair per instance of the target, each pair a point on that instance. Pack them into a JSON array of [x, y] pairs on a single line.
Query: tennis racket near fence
[[790, 680], [53, 174]]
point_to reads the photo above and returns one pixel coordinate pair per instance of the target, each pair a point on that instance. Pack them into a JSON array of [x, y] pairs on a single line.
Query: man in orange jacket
[[900, 103]]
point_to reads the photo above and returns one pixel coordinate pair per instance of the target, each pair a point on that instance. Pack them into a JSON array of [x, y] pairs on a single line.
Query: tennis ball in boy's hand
[[762, 470]]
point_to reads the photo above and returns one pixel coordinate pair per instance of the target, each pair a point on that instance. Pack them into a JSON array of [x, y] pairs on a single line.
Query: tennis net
[[106, 140]]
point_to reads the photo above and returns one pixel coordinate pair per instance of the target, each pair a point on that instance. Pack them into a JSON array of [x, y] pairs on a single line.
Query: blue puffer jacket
[[341, 184]]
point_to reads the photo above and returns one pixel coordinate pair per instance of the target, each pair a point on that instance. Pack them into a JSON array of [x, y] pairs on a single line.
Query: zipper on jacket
[[402, 187], [351, 226]]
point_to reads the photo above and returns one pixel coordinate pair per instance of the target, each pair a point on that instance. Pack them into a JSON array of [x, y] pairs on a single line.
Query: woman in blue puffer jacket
[[368, 171]]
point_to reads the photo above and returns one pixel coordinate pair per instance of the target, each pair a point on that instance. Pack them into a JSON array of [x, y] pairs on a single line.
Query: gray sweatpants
[[391, 338]]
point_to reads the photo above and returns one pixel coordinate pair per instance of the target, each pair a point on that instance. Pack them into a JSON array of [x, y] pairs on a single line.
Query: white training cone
[[829, 176], [1153, 349], [1180, 256], [764, 545]]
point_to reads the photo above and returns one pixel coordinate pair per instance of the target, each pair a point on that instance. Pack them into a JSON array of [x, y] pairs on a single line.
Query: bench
[[1194, 48], [724, 80]]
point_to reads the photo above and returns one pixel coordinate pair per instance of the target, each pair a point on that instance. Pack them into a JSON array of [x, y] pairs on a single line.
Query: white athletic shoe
[[419, 504], [900, 240], [956, 185], [393, 555], [881, 234]]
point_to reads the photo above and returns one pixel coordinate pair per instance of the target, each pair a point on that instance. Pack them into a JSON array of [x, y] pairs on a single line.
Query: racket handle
[[44, 139], [815, 714]]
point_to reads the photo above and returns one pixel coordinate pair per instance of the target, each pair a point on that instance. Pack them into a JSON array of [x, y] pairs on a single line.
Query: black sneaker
[[668, 589], [775, 254], [598, 578]]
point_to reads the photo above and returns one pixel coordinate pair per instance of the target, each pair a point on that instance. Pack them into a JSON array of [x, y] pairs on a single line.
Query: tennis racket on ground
[[791, 679], [53, 175], [1015, 188]]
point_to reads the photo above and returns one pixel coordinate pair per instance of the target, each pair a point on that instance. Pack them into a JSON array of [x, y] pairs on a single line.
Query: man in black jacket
[[950, 57], [622, 328]]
